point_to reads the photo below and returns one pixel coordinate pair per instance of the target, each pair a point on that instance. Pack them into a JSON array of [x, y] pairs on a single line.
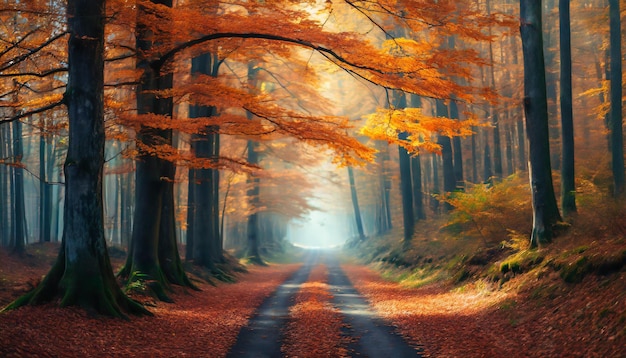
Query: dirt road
[[364, 334]]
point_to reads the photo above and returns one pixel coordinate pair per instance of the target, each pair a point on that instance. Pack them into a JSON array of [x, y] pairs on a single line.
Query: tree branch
[[34, 111]]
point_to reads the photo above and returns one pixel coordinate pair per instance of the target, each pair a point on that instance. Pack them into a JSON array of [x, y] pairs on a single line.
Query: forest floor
[[545, 318]]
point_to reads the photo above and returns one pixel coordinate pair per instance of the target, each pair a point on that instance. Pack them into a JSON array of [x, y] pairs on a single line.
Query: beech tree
[[545, 211], [615, 120], [82, 274], [568, 196]]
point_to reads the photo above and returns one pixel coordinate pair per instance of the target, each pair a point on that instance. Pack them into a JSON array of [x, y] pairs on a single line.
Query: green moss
[[522, 261], [576, 271], [581, 249]]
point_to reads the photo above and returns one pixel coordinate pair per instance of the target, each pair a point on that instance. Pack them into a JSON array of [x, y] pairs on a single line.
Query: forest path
[[368, 335]]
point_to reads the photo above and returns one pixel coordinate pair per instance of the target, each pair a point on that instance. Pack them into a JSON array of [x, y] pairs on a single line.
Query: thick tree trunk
[[154, 183], [545, 211], [206, 229], [355, 204], [82, 274], [168, 255], [615, 121], [568, 196], [204, 222]]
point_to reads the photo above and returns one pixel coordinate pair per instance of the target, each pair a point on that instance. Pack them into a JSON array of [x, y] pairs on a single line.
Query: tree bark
[[457, 151], [206, 230], [449, 179], [568, 188], [19, 219], [154, 181], [355, 204], [253, 252], [545, 211], [615, 122], [82, 274], [45, 201]]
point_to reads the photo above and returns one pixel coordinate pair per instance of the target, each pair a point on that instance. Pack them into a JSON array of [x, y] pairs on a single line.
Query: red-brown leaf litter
[[478, 321], [475, 320], [314, 328], [198, 324]]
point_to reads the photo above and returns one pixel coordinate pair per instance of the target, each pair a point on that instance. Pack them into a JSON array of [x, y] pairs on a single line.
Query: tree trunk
[[44, 188], [615, 122], [252, 247], [416, 174], [206, 231], [191, 212], [434, 200], [550, 64], [474, 158], [19, 220], [82, 274], [168, 255], [4, 190], [406, 190], [545, 211], [355, 204], [568, 195], [457, 150], [154, 181], [418, 196], [449, 180], [508, 137], [487, 172]]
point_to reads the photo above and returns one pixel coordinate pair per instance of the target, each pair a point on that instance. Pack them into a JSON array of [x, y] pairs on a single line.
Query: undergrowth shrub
[[492, 213]]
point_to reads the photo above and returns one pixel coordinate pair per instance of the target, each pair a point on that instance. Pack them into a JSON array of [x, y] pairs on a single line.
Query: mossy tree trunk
[[207, 249], [153, 235], [82, 274]]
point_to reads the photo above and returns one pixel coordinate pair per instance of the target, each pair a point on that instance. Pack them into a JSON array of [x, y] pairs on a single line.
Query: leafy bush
[[492, 213]]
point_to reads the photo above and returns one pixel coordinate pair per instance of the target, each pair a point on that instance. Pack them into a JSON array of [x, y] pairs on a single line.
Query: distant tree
[[82, 274], [545, 211], [568, 195], [18, 215], [355, 204], [406, 183], [615, 121]]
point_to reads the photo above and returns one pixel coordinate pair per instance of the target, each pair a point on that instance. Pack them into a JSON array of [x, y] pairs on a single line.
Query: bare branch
[[34, 111]]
